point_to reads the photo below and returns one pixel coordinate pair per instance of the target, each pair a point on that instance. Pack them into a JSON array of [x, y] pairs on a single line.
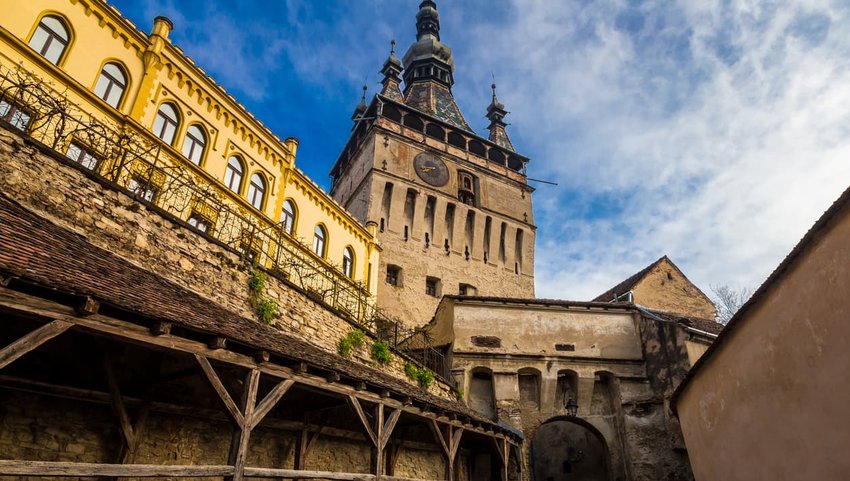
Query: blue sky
[[715, 132]]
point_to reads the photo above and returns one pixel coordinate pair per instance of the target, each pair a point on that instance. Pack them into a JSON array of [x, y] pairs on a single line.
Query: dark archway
[[569, 449]]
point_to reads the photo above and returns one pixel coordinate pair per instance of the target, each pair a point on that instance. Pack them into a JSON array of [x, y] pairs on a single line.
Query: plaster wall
[[536, 330], [779, 373]]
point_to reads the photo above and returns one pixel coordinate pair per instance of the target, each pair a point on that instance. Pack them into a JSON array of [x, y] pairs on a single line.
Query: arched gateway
[[569, 449]]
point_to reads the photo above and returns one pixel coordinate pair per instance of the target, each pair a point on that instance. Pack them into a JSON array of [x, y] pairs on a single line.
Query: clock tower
[[452, 208]]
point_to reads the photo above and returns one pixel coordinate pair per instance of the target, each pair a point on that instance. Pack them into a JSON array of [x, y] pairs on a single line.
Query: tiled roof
[[37, 251], [437, 101], [705, 325]]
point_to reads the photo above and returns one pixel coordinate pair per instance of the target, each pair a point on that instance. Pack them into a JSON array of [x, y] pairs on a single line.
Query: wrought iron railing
[[131, 158]]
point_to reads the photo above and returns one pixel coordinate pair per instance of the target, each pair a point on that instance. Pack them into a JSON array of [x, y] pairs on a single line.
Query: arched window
[[319, 240], [257, 191], [287, 217], [348, 262], [50, 39], [233, 174], [111, 84], [194, 144], [166, 122]]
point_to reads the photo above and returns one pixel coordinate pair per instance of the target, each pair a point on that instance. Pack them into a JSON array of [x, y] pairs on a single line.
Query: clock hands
[[425, 169]]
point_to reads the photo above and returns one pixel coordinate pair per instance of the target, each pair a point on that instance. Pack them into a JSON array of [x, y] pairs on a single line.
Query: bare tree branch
[[728, 300]]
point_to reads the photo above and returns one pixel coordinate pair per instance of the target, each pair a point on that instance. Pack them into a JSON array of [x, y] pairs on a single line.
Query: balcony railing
[[153, 172]]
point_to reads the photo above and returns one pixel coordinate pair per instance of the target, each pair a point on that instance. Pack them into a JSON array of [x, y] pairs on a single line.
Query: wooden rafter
[[31, 341]]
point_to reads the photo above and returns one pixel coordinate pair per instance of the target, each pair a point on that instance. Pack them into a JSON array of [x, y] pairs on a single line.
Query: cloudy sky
[[714, 131]]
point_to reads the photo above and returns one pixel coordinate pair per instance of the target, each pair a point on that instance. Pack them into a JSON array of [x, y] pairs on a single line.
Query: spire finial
[[392, 46], [365, 89]]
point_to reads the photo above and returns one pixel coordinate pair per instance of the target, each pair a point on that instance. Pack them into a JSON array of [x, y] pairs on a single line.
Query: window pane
[[74, 152], [116, 73], [168, 132], [54, 52], [114, 95], [56, 26], [168, 112], [100, 87], [5, 107], [20, 119], [39, 38]]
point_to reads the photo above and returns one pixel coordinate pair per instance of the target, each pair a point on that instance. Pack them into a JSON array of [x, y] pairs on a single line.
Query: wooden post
[[377, 458], [31, 341], [242, 434], [450, 444], [247, 415]]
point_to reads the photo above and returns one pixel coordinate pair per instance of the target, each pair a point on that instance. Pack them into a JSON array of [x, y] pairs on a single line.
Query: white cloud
[[723, 126]]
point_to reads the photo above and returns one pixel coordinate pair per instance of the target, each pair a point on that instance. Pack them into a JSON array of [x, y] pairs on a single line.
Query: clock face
[[431, 169]]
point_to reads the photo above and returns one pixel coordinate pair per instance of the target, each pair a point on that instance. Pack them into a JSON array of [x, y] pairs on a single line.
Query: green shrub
[[266, 309], [351, 340], [381, 352], [459, 394], [424, 377], [257, 282], [410, 370]]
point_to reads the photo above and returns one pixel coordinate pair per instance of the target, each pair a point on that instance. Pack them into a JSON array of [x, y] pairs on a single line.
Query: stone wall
[[386, 157], [109, 217]]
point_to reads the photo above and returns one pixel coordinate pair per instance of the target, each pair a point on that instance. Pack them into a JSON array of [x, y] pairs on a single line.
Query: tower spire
[[427, 20], [361, 108], [392, 81], [496, 113]]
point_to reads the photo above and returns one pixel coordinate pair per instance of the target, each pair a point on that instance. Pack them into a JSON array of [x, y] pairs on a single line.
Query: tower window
[[199, 222], [50, 39], [467, 290], [466, 189], [394, 275], [432, 286]]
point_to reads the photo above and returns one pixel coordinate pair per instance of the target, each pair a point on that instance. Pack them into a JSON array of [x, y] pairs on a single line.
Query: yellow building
[[146, 117]]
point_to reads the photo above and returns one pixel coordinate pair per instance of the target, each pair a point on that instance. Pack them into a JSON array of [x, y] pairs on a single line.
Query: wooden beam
[[239, 446], [68, 469], [364, 421], [377, 457], [137, 334], [118, 404], [270, 401], [438, 435], [31, 341], [301, 474], [220, 389], [262, 356], [388, 428]]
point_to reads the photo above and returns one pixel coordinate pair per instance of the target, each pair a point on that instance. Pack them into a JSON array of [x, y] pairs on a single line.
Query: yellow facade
[[98, 42]]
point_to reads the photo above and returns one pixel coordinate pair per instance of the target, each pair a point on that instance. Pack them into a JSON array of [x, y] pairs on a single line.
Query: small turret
[[392, 81], [496, 113], [360, 110]]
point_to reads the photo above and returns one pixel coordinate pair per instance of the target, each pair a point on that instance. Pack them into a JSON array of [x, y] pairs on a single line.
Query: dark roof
[[627, 284], [35, 250], [811, 237], [707, 325]]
